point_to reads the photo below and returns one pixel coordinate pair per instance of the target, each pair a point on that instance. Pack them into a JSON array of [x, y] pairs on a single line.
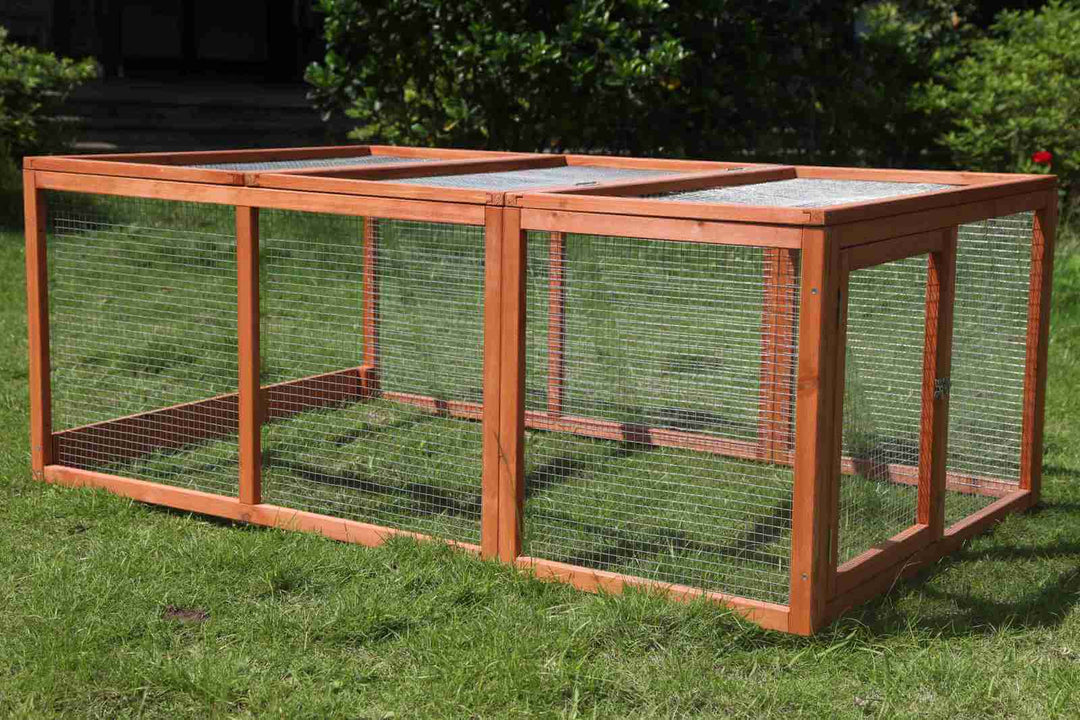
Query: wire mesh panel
[[989, 349], [886, 325], [313, 163], [804, 192], [644, 391], [534, 177], [142, 300], [402, 453]]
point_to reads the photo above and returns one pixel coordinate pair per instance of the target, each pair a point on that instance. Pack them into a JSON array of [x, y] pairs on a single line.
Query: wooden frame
[[814, 249]]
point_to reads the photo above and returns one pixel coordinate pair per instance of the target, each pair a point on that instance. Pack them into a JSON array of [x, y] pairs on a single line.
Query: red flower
[[1042, 157]]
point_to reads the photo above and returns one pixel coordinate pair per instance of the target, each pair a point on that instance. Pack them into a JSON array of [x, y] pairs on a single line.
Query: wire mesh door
[[884, 331]]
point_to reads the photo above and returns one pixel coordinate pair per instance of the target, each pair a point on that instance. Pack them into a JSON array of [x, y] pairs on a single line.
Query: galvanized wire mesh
[[313, 163], [142, 298], [646, 458], [993, 268], [534, 178], [886, 327], [803, 192], [407, 459]]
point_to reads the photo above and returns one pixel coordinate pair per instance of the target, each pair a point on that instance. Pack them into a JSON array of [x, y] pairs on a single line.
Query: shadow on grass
[[574, 464], [966, 612]]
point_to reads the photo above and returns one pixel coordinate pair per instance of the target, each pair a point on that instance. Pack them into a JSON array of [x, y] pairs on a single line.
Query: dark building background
[[183, 74]]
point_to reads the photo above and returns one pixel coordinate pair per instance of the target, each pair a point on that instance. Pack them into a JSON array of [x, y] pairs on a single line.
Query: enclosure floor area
[[673, 515]]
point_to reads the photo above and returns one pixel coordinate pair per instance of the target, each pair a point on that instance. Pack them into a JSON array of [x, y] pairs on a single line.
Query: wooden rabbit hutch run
[[776, 386]]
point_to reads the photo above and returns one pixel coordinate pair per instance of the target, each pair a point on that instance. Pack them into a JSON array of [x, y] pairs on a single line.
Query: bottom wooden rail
[[768, 615], [905, 566], [350, 531], [893, 565]]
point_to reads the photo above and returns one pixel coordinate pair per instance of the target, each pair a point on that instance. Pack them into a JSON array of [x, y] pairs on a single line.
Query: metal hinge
[[942, 386]]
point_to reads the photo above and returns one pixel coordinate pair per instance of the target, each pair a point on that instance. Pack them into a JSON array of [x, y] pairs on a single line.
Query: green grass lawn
[[110, 608]]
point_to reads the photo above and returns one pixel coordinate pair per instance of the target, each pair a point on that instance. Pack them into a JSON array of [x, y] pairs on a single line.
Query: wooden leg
[[491, 481], [512, 395], [817, 463], [247, 271], [37, 311], [1038, 340]]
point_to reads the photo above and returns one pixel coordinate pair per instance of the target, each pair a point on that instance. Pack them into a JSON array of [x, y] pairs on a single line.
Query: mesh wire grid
[[989, 355], [659, 340], [378, 460], [142, 305], [803, 192], [534, 178], [886, 328], [313, 163]]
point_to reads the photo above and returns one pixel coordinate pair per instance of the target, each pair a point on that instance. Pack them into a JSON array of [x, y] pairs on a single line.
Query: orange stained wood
[[370, 311], [383, 207], [491, 428], [1038, 341], [37, 322], [512, 393], [668, 229], [247, 285], [778, 320], [937, 366], [556, 322], [765, 614], [350, 531], [817, 464]]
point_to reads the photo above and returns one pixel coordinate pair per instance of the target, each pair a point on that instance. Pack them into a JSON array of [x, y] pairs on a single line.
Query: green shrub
[[33, 86], [1019, 94], [515, 75]]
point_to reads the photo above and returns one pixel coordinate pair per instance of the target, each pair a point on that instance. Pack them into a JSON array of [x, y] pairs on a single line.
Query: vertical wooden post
[[817, 462], [1038, 340], [247, 309], [937, 366], [556, 323], [777, 340], [831, 501], [37, 311], [493, 299], [512, 396], [370, 371]]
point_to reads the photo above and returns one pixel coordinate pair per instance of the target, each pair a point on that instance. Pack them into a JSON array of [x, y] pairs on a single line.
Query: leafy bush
[[569, 74], [1017, 97], [33, 86]]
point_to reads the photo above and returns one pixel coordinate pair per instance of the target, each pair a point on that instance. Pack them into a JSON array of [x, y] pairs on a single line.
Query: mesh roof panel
[[534, 178], [310, 163], [804, 192]]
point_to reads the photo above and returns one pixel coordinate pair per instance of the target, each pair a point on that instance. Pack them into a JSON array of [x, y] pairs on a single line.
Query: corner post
[[247, 310], [937, 366], [37, 310], [1038, 341], [493, 300], [817, 462], [512, 396]]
